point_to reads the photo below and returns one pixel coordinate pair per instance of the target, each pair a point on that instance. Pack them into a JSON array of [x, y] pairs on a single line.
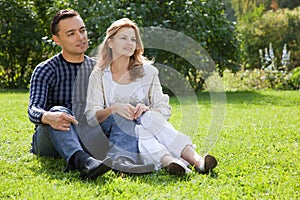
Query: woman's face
[[123, 43]]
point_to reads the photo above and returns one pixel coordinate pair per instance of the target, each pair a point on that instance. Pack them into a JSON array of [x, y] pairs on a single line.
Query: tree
[[203, 21], [25, 36], [258, 29], [242, 7], [17, 30]]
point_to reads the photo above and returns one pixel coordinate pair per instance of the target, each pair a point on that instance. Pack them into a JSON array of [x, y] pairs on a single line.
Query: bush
[[258, 28], [245, 80], [294, 81], [260, 79]]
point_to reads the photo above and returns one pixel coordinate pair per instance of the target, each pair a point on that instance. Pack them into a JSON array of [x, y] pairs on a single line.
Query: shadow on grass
[[282, 98], [8, 91], [162, 177], [54, 169]]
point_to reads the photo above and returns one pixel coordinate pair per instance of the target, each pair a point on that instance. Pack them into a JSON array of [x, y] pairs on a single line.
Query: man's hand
[[59, 120]]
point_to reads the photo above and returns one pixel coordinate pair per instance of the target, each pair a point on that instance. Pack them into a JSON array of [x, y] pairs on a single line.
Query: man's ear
[[56, 39]]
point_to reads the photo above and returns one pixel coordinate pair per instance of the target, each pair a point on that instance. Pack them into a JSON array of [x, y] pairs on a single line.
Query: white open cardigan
[[99, 89]]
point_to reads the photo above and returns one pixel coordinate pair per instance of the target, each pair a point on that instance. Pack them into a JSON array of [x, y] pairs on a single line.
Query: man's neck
[[73, 58]]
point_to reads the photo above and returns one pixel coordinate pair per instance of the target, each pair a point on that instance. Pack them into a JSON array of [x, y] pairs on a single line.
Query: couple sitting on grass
[[124, 97]]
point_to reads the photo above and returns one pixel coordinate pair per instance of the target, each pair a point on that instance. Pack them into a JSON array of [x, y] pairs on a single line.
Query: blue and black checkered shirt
[[57, 82]]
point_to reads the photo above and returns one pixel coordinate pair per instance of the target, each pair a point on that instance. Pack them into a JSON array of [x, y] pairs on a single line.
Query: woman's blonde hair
[[136, 60]]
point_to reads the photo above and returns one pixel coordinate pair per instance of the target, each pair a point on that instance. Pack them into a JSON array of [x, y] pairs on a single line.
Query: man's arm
[[38, 94]]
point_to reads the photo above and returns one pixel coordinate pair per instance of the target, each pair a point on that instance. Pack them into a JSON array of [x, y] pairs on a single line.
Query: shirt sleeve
[[95, 97], [158, 100], [38, 93]]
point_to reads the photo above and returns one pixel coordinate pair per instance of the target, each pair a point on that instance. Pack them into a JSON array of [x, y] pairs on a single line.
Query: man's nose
[[79, 36]]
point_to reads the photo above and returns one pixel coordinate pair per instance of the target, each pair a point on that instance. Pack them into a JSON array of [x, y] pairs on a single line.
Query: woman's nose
[[131, 42]]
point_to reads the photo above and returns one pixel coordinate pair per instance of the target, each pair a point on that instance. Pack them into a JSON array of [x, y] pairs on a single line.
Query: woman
[[124, 88]]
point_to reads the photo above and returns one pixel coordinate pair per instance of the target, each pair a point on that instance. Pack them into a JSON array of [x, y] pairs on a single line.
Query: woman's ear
[[109, 43]]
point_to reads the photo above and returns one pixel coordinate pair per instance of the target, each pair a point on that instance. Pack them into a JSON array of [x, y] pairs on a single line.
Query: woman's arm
[[95, 102], [158, 100]]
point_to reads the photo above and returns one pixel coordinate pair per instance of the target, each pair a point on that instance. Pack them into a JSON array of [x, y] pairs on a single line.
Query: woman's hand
[[140, 109], [124, 110]]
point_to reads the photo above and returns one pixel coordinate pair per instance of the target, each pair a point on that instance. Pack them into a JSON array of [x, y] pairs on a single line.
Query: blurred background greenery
[[252, 40]]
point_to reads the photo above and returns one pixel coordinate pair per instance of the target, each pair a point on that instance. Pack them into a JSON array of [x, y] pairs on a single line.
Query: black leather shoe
[[127, 166], [94, 168], [209, 164]]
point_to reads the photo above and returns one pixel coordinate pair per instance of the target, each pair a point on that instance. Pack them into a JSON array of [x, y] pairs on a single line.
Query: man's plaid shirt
[[57, 82]]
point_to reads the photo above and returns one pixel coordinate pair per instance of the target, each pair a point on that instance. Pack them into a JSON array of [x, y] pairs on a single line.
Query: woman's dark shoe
[[93, 168], [174, 166], [209, 164], [176, 169]]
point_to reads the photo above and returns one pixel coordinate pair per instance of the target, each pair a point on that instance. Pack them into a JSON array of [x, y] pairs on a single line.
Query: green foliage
[[24, 39], [204, 21], [258, 152], [262, 79], [17, 46], [259, 29], [294, 81], [276, 70], [291, 4], [243, 7], [44, 11]]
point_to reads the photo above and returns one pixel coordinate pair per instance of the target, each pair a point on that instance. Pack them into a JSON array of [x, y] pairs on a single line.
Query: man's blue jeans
[[47, 141], [122, 137]]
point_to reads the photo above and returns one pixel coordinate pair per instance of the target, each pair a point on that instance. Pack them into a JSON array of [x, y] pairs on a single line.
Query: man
[[50, 106]]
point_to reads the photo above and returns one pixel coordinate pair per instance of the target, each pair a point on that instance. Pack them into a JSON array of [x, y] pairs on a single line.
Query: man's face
[[72, 37]]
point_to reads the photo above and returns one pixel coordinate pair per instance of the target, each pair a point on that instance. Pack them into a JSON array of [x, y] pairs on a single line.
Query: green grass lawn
[[257, 149]]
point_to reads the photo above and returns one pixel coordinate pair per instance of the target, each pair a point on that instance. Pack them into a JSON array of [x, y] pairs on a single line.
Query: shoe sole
[[102, 169], [209, 163], [176, 169], [142, 169]]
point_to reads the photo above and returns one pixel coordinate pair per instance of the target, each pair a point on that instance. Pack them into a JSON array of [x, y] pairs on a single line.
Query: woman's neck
[[120, 71], [120, 65]]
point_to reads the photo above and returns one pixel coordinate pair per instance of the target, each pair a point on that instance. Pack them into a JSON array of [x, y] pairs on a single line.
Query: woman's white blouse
[[104, 92]]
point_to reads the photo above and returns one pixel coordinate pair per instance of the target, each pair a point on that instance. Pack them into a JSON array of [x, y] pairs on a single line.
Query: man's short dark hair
[[60, 15]]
